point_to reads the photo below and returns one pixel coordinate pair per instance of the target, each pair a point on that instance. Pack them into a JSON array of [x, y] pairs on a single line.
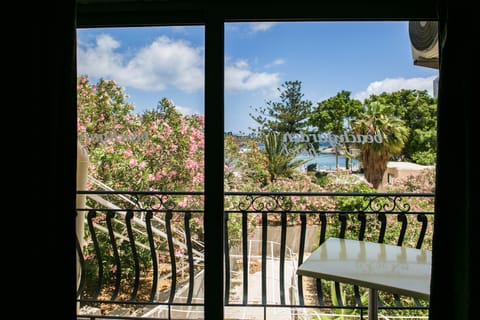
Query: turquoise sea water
[[326, 161]]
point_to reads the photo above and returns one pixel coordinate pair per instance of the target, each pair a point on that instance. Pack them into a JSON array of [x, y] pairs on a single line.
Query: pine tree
[[290, 115]]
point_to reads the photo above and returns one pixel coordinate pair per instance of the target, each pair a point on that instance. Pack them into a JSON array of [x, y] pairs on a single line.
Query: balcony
[[141, 253]]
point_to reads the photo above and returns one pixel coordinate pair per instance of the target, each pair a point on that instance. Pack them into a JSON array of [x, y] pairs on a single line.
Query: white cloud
[[261, 26], [186, 110], [165, 63], [239, 76], [100, 58], [396, 84], [275, 62]]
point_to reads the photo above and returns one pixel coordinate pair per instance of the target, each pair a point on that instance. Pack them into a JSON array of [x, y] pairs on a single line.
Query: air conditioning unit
[[424, 43]]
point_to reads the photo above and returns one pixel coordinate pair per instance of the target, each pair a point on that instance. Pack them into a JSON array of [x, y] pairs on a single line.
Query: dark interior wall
[[453, 277], [59, 48], [453, 284]]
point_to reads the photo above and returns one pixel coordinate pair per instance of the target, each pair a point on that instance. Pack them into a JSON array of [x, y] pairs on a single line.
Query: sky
[[152, 63]]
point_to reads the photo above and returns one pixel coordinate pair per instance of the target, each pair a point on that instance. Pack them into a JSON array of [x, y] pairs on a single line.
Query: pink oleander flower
[[191, 164], [127, 153], [198, 178], [168, 130], [179, 252]]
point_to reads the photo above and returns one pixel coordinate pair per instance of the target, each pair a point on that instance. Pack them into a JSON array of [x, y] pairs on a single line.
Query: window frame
[[213, 16]]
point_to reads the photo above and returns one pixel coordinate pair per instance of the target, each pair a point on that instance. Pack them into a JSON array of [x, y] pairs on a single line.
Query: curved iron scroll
[[265, 203]]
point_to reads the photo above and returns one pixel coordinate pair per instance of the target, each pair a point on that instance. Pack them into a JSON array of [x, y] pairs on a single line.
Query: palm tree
[[385, 136], [282, 157]]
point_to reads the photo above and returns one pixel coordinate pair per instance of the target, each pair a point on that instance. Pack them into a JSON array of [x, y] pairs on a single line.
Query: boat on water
[[327, 150]]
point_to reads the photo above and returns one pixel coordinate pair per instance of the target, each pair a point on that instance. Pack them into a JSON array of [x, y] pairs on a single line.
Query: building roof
[[402, 165]]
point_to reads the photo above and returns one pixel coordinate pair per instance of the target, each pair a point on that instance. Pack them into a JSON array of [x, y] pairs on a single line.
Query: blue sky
[[327, 57]]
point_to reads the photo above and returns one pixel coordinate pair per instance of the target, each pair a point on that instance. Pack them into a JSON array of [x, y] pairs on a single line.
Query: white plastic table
[[376, 266]]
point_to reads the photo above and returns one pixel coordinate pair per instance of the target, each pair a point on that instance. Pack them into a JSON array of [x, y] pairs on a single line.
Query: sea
[[326, 162], [324, 159]]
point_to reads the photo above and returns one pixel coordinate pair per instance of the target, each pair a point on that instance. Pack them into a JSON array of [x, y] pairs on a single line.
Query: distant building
[[398, 169]]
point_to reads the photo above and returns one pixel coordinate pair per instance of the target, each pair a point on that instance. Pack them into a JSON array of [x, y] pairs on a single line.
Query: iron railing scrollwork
[[143, 251]]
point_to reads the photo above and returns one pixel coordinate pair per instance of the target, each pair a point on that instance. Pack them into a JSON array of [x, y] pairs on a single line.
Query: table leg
[[372, 304]]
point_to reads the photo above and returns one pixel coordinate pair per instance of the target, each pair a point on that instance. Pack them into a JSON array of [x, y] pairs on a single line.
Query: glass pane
[[140, 95], [281, 77], [311, 109]]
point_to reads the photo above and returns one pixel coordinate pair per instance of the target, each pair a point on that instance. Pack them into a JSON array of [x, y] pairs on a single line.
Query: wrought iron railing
[[140, 254]]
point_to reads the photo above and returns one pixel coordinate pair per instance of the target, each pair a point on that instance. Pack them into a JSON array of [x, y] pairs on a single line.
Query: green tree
[[261, 166], [419, 111], [334, 115], [290, 115], [391, 132], [246, 169], [160, 149], [102, 111], [280, 163]]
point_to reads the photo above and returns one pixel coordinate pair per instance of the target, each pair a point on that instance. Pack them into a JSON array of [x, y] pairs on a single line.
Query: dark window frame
[[124, 13]]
